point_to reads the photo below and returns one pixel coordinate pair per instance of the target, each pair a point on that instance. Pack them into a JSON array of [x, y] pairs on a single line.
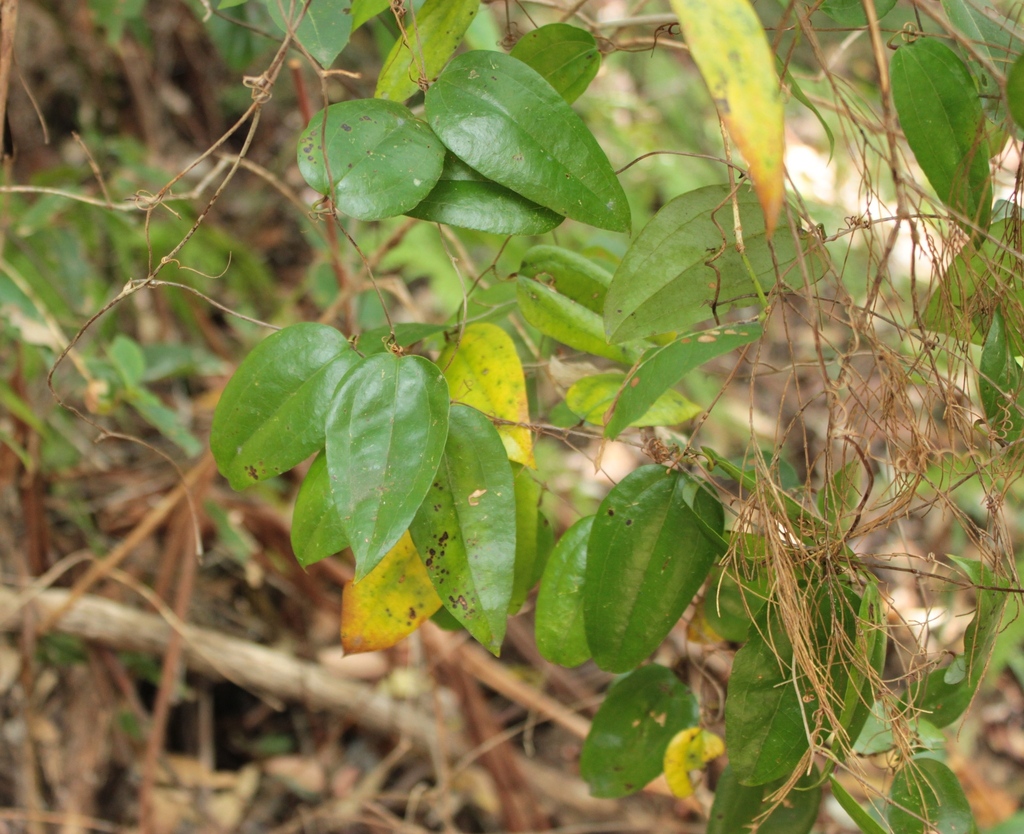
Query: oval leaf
[[729, 47], [565, 56], [380, 159], [388, 604], [316, 528], [673, 277], [577, 278], [1001, 382], [483, 370], [663, 367], [626, 746], [386, 434], [505, 121], [647, 556], [770, 705], [736, 806], [272, 413], [942, 119], [926, 797], [465, 530], [432, 32], [467, 199], [570, 323], [558, 621], [324, 29], [591, 398]]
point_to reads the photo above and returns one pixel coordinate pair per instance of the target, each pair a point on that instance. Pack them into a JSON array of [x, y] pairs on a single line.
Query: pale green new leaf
[[432, 33]]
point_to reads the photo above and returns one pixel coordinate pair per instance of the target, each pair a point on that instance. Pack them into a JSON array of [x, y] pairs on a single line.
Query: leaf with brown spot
[[389, 603], [469, 546]]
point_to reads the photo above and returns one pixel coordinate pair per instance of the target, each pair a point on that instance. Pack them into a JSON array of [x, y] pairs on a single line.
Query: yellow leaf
[[484, 371], [690, 749], [729, 47], [389, 603]]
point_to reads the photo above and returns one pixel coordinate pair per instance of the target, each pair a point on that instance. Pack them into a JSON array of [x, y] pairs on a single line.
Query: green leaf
[[662, 367], [626, 746], [941, 116], [864, 821], [316, 528], [851, 12], [730, 606], [870, 649], [363, 10], [163, 419], [997, 40], [764, 726], [128, 359], [650, 550], [728, 44], [592, 397], [926, 797], [545, 544], [736, 806], [465, 531], [1001, 381], [560, 633], [1015, 91], [272, 413], [572, 324], [566, 57], [324, 29], [841, 495], [467, 199], [505, 121], [406, 334], [670, 278], [747, 478], [382, 159], [946, 693], [528, 494], [433, 31], [569, 274], [797, 92], [771, 705], [386, 435]]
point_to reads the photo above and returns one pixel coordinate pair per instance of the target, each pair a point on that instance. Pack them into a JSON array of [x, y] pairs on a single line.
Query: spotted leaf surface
[[465, 530], [373, 157], [389, 603]]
